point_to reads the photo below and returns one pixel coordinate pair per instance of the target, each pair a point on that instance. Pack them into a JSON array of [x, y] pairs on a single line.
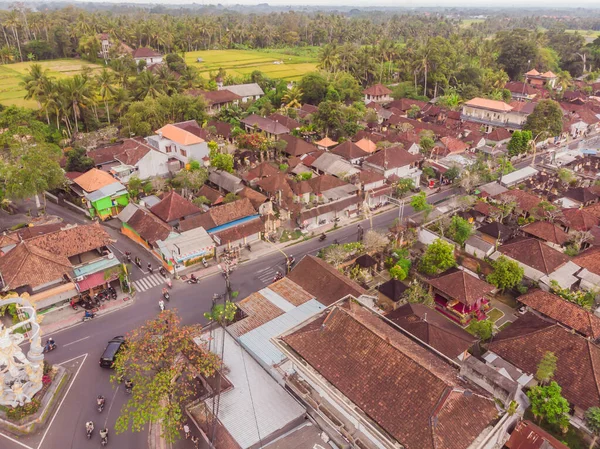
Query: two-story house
[[493, 113], [179, 144], [395, 161], [377, 93], [247, 92], [536, 78]]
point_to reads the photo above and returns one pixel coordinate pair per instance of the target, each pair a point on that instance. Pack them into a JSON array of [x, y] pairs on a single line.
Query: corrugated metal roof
[[276, 299], [274, 407], [109, 190], [258, 341]]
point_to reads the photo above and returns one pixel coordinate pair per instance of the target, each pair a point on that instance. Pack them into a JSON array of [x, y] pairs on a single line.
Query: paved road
[[80, 347]]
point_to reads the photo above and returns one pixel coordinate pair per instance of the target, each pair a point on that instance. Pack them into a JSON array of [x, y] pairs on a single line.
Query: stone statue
[[20, 374]]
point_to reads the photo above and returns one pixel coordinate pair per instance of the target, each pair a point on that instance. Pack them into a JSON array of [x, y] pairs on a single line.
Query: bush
[[46, 379], [17, 413], [47, 367]]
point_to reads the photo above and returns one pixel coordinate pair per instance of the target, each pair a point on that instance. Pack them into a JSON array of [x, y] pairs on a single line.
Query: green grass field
[[11, 75], [466, 23], [589, 35], [287, 65]]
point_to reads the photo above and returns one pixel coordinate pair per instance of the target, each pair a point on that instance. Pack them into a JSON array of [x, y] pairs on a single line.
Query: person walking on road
[[186, 429], [196, 441]]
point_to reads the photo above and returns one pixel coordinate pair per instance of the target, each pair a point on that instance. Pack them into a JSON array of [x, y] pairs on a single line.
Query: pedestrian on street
[[186, 429], [196, 441]]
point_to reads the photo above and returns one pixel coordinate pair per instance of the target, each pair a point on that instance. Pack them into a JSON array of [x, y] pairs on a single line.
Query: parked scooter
[[322, 237], [88, 316], [192, 280], [162, 272], [204, 262], [166, 295], [74, 304], [112, 292], [161, 304]]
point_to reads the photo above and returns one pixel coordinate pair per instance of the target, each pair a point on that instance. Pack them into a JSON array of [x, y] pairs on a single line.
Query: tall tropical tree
[[148, 85], [35, 82], [104, 81]]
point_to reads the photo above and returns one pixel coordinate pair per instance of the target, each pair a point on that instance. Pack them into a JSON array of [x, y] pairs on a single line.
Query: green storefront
[[108, 201]]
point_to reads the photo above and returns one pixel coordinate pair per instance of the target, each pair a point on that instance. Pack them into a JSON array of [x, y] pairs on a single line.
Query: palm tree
[[121, 100], [167, 79], [35, 82], [147, 84], [189, 77], [104, 81], [77, 90], [12, 22], [329, 58], [293, 97]]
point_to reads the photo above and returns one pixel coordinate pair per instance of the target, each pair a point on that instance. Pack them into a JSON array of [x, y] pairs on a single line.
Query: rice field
[[589, 35], [273, 63], [11, 75]]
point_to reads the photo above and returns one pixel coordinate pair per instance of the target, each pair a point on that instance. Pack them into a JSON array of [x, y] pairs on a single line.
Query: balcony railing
[[485, 121]]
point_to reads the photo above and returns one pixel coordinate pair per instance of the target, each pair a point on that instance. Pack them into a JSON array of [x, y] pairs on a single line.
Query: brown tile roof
[[286, 121], [406, 390], [93, 180], [461, 286], [219, 215], [74, 240], [173, 207], [260, 310], [498, 135], [565, 312], [145, 52], [454, 145], [484, 208], [128, 151], [349, 150], [525, 201], [149, 227], [404, 104], [262, 170], [212, 195], [296, 146], [323, 183], [265, 124], [392, 157], [377, 89], [529, 436], [589, 259], [215, 96], [485, 103], [581, 194], [256, 198], [29, 232], [534, 253], [519, 88], [323, 281], [525, 342], [432, 328], [246, 229], [546, 231], [594, 209], [274, 184], [368, 176], [29, 265], [578, 219]]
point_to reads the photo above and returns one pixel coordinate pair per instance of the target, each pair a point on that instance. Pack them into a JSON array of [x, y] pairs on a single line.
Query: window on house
[[168, 148], [183, 152]]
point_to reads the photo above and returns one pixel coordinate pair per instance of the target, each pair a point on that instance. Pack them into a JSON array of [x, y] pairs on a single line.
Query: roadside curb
[[77, 320]]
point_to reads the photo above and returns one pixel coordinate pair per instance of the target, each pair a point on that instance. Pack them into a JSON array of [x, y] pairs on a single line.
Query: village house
[[326, 365], [529, 436], [296, 146], [395, 161], [433, 329], [130, 157], [178, 251], [390, 294], [521, 91], [144, 228], [535, 78], [173, 208], [180, 144], [374, 188], [326, 143], [107, 47], [147, 55], [377, 93], [589, 261], [216, 99], [225, 181], [57, 266], [213, 196], [247, 92], [286, 121], [525, 342], [492, 114], [368, 146], [350, 151], [270, 127], [333, 164], [547, 232], [460, 296], [103, 196]]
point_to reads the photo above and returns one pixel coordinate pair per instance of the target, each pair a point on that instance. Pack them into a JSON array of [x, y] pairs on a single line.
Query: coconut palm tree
[[293, 97], [104, 81], [167, 79], [121, 100], [78, 92], [34, 83], [148, 85]]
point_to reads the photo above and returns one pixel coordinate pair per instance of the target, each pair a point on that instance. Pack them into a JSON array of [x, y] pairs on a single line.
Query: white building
[[179, 144], [148, 55], [250, 91]]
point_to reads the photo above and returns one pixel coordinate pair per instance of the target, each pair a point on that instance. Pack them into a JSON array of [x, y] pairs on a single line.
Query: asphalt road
[[80, 347]]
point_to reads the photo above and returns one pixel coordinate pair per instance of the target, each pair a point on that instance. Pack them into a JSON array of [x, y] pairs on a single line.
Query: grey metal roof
[[226, 181], [335, 165], [105, 191], [126, 214], [254, 392], [258, 341], [245, 90]]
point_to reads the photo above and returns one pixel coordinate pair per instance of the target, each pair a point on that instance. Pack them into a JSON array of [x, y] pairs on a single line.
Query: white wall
[[153, 164]]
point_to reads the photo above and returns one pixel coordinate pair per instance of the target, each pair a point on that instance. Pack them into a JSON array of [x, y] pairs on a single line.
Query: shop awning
[[94, 280]]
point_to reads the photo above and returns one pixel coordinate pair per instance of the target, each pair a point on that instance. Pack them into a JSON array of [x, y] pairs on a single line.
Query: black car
[[112, 348]]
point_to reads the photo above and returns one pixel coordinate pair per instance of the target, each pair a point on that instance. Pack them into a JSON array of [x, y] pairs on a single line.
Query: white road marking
[[15, 441], [64, 397], [112, 401], [76, 341]]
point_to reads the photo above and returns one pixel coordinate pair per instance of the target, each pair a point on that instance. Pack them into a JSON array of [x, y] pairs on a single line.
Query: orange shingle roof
[[178, 135], [326, 142], [533, 72], [94, 179], [366, 145], [489, 104]]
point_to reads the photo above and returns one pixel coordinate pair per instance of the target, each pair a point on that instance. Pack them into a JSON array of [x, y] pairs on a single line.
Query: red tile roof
[[525, 201], [589, 259], [349, 150], [220, 215], [525, 342], [145, 52], [461, 286], [323, 281], [564, 312], [498, 135], [173, 207], [392, 157], [485, 103], [412, 395], [286, 121], [149, 227], [73, 240], [578, 219], [377, 90], [454, 145], [547, 231], [529, 436], [296, 146], [535, 254]]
